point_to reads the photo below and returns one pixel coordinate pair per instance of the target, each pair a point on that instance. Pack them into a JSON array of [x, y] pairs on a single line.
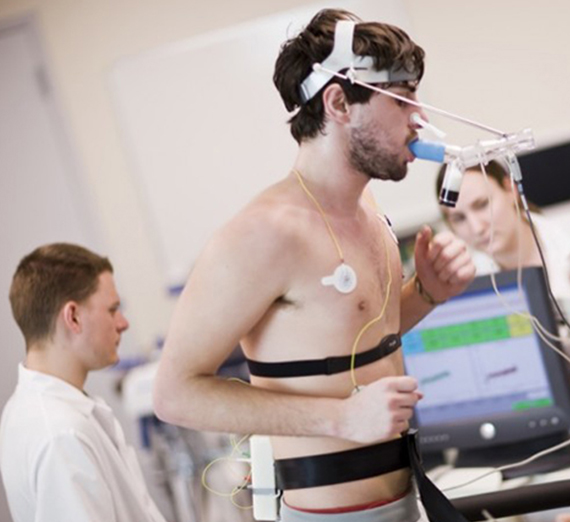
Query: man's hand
[[443, 264], [381, 410]]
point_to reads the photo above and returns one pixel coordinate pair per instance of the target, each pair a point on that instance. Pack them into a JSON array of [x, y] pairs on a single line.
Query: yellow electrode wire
[[341, 256], [372, 202], [236, 489], [230, 457], [373, 321], [322, 212]]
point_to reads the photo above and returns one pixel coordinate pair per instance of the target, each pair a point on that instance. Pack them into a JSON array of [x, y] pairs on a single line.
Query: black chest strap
[[327, 366]]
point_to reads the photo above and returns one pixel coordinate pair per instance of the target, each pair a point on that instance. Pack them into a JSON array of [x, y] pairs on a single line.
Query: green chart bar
[[475, 332], [538, 403]]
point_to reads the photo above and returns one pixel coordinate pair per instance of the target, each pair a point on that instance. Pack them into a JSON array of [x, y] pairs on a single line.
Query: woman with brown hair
[[487, 219]]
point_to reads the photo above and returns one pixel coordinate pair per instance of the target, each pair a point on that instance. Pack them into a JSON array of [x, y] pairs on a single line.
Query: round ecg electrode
[[343, 279]]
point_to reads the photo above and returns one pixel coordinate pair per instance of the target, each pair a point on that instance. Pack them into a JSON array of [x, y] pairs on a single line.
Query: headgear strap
[[342, 57]]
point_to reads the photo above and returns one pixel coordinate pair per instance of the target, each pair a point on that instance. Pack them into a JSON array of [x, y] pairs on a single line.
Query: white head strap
[[342, 57]]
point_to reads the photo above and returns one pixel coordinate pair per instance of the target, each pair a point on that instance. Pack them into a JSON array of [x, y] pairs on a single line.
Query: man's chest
[[356, 274]]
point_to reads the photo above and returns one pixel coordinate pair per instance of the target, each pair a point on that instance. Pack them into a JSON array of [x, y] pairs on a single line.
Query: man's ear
[[70, 316], [335, 105]]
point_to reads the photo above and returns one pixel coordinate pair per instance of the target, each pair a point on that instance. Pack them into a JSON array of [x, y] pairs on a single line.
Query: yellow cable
[[322, 212], [373, 321], [204, 476], [369, 198], [372, 202], [236, 489], [237, 379]]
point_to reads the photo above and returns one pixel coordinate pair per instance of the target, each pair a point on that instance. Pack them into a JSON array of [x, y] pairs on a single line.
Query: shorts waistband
[[405, 508]]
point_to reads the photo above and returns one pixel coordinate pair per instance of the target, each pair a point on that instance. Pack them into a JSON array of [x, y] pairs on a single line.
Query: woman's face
[[471, 217]]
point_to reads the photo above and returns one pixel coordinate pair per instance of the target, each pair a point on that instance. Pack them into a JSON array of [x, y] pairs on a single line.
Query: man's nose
[[122, 324]]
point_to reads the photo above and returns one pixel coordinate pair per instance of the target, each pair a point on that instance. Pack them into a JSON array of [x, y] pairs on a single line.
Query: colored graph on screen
[[481, 358]]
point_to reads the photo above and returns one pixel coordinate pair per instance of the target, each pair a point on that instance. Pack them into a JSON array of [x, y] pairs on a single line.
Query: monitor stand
[[515, 452]]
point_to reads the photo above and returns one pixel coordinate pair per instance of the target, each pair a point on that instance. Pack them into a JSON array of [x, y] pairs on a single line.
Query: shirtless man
[[266, 280]]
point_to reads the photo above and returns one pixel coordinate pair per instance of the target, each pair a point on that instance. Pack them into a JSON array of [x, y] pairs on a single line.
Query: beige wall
[[505, 63]]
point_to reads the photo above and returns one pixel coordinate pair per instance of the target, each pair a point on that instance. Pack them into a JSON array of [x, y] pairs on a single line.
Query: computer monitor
[[545, 173], [492, 388]]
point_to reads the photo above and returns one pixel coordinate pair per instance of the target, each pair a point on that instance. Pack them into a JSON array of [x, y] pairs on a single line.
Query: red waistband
[[350, 509]]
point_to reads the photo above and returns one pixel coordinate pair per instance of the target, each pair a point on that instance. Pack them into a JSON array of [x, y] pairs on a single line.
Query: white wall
[[504, 63]]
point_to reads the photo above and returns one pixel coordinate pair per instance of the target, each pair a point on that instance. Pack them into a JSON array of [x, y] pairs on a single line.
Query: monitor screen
[[545, 174], [487, 378]]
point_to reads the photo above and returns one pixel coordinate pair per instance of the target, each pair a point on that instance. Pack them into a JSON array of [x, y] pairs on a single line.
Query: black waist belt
[[343, 466], [367, 462], [328, 366]]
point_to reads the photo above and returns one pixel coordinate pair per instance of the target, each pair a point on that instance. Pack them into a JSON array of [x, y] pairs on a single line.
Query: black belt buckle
[[413, 445], [335, 365]]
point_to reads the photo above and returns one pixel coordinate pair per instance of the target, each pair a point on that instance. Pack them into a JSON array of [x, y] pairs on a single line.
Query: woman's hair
[[494, 169]]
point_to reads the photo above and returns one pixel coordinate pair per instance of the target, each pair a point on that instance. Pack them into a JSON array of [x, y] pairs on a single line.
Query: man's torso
[[314, 321]]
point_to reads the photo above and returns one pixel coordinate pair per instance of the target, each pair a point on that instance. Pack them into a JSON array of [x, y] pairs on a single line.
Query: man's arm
[[444, 269], [241, 273]]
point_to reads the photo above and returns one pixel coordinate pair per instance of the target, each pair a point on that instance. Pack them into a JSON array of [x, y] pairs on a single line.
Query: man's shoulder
[[271, 220], [42, 415], [33, 423]]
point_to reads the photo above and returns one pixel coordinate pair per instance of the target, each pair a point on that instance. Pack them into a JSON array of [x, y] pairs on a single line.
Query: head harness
[[341, 58]]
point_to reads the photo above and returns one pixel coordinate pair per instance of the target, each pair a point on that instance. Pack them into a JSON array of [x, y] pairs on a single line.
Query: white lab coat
[[64, 458]]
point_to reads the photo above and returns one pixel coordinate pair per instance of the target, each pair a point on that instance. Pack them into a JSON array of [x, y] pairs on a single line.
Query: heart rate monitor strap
[[327, 366]]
